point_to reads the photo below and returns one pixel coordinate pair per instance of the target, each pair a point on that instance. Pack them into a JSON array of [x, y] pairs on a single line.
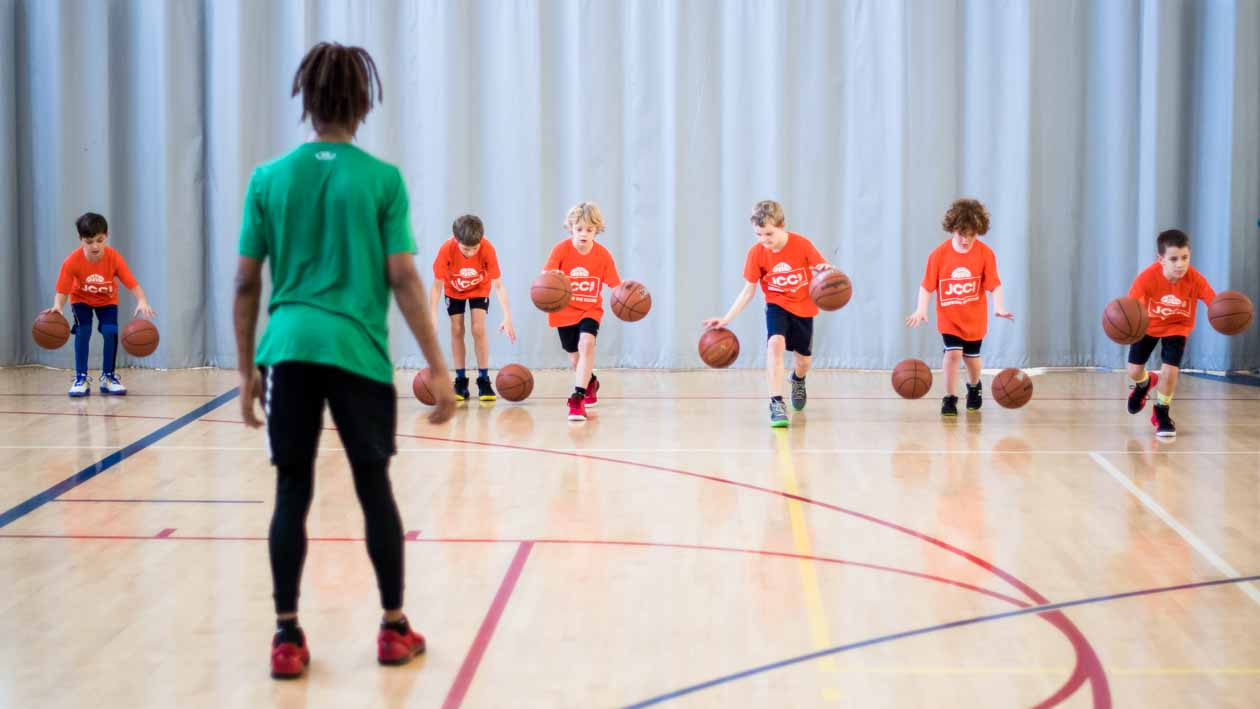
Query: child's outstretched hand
[[916, 318], [506, 328], [45, 311], [143, 310], [999, 314], [713, 323], [820, 267]]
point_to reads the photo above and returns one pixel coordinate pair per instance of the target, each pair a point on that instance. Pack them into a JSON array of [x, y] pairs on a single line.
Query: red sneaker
[[591, 388], [577, 408], [288, 660], [395, 648]]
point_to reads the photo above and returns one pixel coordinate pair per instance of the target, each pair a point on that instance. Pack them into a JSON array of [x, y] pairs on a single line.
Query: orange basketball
[[1012, 388], [631, 301], [719, 347], [831, 289], [1230, 312], [422, 385], [514, 382], [1125, 320], [139, 338], [550, 292], [911, 378], [50, 330]]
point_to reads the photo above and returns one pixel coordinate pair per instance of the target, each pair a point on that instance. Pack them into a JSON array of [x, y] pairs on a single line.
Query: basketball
[[50, 330], [139, 338], [911, 378], [1012, 388], [1125, 320], [550, 292], [631, 301], [514, 382], [1230, 312], [719, 347], [831, 289], [421, 386]]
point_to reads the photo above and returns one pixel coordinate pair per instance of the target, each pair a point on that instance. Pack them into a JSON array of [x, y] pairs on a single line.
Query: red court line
[[468, 669], [414, 536], [1088, 668]]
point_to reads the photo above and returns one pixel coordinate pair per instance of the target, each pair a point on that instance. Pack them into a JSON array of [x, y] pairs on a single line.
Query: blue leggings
[[107, 316]]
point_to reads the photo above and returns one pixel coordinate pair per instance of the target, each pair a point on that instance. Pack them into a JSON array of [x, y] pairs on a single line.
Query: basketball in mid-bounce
[[51, 330], [551, 292], [719, 347], [1012, 388], [514, 382], [831, 289], [912, 378], [422, 387], [1125, 321], [139, 338]]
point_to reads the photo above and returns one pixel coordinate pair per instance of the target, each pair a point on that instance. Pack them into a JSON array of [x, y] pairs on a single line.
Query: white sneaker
[[111, 385], [82, 386]]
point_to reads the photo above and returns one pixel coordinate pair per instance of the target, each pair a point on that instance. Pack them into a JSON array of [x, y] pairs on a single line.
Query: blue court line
[[24, 508], [1245, 380], [930, 629]]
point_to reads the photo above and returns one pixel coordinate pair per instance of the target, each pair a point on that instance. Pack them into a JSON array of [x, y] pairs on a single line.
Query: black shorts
[[455, 306], [797, 332], [970, 348], [1170, 352], [364, 410], [569, 334]]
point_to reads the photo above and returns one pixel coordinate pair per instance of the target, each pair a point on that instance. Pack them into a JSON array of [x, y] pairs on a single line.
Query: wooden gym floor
[[673, 550]]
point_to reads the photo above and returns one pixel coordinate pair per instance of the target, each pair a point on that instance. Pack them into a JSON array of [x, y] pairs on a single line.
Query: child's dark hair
[[468, 230], [1175, 238], [967, 216], [91, 224], [337, 85]]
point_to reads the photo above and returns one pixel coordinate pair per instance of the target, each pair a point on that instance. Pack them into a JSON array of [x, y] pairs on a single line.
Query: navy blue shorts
[[797, 332]]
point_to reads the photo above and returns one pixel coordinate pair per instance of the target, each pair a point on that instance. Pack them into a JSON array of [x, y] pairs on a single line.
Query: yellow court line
[[815, 613]]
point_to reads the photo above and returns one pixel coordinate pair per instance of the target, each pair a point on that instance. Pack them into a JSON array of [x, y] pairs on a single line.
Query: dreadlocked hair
[[336, 83]]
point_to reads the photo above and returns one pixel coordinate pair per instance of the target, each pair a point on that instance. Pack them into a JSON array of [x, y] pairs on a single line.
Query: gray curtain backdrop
[[1086, 127]]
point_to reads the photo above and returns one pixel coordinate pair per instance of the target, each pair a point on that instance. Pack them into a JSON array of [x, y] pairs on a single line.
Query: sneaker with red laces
[[577, 407], [591, 388], [394, 647], [288, 660]]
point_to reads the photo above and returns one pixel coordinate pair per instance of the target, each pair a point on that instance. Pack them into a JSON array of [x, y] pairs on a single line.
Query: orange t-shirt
[[961, 283], [588, 274], [466, 277], [1171, 306], [785, 274], [93, 283]]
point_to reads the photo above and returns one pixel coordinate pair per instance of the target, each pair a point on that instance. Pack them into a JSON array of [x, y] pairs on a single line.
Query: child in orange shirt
[[467, 269], [1169, 289], [589, 267], [783, 263], [87, 279], [961, 271]]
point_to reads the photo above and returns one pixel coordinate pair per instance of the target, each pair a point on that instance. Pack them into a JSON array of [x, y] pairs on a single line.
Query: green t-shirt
[[327, 216]]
